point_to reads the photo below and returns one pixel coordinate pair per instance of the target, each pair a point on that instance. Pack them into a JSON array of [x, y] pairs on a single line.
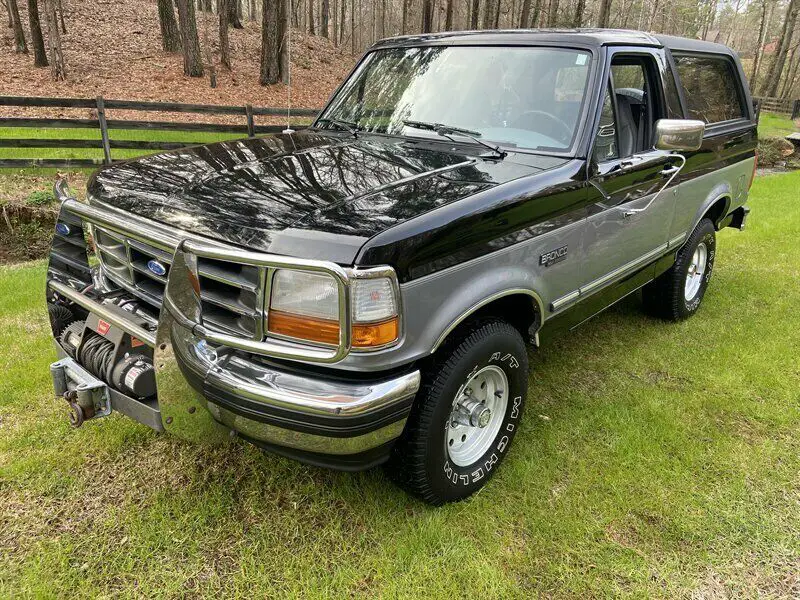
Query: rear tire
[[676, 294], [448, 452]]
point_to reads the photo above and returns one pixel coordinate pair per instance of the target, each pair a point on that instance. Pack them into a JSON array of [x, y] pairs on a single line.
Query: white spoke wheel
[[697, 268], [676, 293], [478, 412], [466, 413]]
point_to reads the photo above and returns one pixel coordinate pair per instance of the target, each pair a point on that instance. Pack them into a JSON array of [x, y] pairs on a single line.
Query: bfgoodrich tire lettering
[[420, 461], [673, 296]]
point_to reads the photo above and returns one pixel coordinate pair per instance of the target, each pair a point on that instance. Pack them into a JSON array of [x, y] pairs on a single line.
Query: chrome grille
[[229, 291]]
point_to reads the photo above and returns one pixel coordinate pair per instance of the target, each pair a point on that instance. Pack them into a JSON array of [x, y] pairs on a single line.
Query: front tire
[[466, 413], [676, 294]]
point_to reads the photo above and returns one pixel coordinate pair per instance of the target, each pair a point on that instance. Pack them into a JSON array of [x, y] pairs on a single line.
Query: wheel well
[[716, 211], [520, 310]]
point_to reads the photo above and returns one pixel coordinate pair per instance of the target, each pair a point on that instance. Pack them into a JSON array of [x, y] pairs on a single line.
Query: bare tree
[[324, 17], [224, 41], [427, 16], [785, 39], [552, 14], [604, 14], [19, 34], [525, 15], [404, 17], [762, 38], [273, 30], [39, 53], [170, 34], [192, 59], [233, 15], [57, 67], [311, 28], [448, 18], [577, 20], [475, 14]]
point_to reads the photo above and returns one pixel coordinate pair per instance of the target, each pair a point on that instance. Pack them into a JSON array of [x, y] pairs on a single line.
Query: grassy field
[[775, 125], [657, 460]]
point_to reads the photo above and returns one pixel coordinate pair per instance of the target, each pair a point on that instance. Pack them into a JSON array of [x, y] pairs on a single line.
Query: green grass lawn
[[654, 459], [199, 137], [775, 125]]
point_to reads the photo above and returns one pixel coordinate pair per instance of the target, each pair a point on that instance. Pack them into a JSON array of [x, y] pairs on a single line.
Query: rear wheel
[[677, 293], [465, 415]]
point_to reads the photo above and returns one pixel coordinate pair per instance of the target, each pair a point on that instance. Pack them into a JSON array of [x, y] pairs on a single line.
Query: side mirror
[[679, 134]]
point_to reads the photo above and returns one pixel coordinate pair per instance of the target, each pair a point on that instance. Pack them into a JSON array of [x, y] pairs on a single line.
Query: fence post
[[796, 110], [251, 126], [101, 117], [757, 108]]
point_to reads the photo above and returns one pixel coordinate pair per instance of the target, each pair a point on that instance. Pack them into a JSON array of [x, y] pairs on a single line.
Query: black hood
[[310, 194]]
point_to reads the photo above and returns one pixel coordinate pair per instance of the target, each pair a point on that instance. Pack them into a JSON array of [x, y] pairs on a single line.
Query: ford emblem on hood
[[157, 268]]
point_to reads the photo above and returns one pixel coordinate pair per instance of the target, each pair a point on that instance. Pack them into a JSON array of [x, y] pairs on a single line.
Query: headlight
[[305, 306]]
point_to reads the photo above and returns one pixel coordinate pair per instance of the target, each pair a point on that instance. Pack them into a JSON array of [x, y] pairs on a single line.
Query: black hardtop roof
[[580, 37]]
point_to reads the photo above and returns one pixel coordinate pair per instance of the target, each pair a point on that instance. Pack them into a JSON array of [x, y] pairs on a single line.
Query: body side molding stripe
[[598, 283]]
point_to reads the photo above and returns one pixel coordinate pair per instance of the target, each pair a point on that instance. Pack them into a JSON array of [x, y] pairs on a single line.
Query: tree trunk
[[311, 29], [233, 14], [496, 20], [475, 14], [57, 67], [537, 9], [788, 81], [762, 38], [192, 59], [170, 34], [488, 13], [605, 11], [448, 16], [224, 41], [273, 25], [334, 18], [525, 15], [19, 33], [342, 16], [577, 20], [324, 17], [552, 14], [352, 26], [785, 39], [427, 16], [404, 17], [39, 53]]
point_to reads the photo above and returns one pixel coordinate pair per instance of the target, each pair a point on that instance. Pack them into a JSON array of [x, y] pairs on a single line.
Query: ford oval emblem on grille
[[157, 268], [63, 228]]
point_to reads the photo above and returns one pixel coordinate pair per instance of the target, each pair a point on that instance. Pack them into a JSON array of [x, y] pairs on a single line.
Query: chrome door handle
[[670, 171]]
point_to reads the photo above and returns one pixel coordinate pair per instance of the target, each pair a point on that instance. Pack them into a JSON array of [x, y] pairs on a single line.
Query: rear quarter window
[[711, 88]]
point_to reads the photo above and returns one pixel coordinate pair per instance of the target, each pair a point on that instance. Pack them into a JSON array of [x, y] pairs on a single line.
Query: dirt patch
[[134, 67], [27, 214]]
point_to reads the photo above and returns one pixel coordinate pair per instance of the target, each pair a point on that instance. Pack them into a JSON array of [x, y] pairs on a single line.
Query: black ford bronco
[[362, 291]]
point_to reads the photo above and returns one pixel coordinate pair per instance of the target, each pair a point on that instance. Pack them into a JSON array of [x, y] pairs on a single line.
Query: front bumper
[[211, 391]]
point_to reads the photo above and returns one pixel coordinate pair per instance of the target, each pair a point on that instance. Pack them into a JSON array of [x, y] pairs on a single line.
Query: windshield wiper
[[349, 126], [448, 131]]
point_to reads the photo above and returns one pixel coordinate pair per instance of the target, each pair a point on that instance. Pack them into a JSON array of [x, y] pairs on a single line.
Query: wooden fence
[[790, 108], [107, 125]]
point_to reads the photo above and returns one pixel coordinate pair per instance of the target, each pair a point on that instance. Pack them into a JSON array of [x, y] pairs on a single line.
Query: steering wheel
[[563, 135]]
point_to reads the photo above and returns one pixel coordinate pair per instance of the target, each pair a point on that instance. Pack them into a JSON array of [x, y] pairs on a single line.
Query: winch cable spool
[[96, 353], [70, 337]]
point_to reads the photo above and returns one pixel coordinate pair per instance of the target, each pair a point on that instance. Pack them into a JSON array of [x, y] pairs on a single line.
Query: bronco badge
[[553, 256]]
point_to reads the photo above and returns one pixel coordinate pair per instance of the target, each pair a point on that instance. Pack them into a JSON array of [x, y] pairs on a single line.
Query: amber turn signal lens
[[305, 328], [375, 334]]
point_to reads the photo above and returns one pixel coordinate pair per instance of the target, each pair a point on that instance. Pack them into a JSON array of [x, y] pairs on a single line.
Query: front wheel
[[677, 293], [465, 415]]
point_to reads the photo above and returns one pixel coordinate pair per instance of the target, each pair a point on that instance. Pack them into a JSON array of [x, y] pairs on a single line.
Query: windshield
[[525, 97]]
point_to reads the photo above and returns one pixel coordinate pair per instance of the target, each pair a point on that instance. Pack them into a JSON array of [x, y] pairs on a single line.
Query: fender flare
[[484, 302]]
